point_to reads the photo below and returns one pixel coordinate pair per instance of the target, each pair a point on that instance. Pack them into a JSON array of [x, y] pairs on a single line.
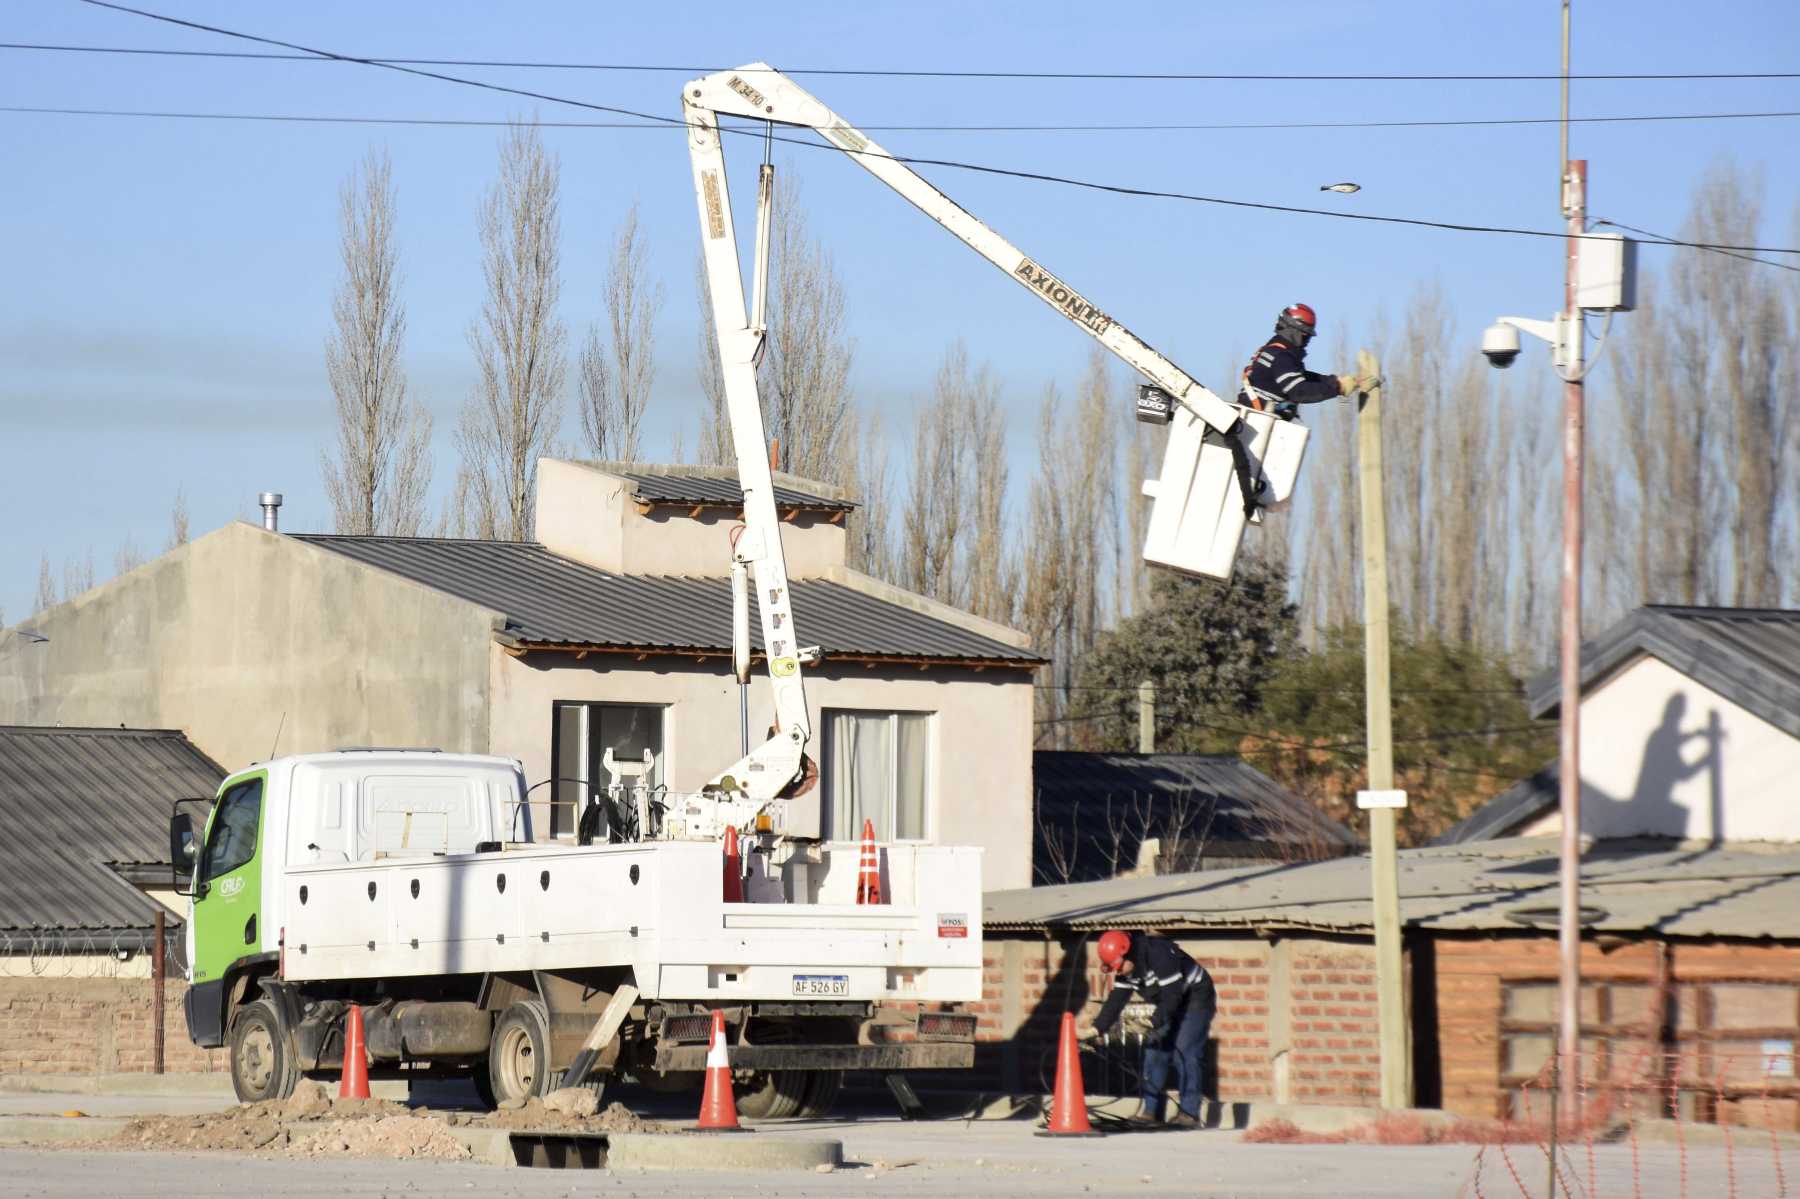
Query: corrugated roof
[[1751, 656], [548, 599], [75, 798], [677, 487], [1729, 891], [1220, 802]]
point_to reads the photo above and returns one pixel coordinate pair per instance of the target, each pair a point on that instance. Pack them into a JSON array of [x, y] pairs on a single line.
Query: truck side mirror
[[184, 847]]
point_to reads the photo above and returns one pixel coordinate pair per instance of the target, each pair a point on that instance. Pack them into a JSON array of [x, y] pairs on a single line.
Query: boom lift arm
[[1198, 518]]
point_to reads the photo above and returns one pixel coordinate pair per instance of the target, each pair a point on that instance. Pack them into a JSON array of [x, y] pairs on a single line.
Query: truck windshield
[[233, 839]]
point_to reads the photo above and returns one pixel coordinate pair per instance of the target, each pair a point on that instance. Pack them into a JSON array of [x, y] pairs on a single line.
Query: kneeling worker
[[1158, 971]]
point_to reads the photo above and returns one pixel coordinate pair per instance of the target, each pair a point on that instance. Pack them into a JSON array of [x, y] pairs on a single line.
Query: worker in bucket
[[1276, 380], [1158, 971]]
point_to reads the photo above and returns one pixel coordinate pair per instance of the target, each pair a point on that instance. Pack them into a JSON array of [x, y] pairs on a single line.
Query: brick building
[[1691, 968], [83, 872]]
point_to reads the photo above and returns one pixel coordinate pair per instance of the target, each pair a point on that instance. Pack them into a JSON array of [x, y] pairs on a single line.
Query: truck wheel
[[821, 1094], [262, 1058], [519, 1054], [771, 1094]]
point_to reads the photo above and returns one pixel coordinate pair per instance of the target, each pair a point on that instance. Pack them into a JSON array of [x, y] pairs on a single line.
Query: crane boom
[[1199, 513]]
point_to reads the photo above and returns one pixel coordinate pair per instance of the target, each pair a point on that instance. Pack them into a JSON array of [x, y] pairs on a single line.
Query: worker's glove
[[1087, 1032], [1349, 385]]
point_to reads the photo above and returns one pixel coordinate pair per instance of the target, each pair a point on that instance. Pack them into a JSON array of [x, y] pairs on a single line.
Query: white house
[[613, 630], [1690, 729]]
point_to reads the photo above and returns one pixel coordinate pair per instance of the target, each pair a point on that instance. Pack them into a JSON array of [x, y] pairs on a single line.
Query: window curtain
[[910, 768], [861, 751]]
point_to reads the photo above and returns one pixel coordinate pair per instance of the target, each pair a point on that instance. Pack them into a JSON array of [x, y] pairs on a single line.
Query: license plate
[[821, 984]]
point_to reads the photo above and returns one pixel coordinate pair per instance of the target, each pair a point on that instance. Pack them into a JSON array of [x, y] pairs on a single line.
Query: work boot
[[1185, 1120], [1144, 1117]]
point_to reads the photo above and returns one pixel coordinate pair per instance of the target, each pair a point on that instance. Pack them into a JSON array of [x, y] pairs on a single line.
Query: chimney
[[271, 506]]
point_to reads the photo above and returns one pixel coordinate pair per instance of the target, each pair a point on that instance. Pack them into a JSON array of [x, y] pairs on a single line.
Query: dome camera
[[1500, 344]]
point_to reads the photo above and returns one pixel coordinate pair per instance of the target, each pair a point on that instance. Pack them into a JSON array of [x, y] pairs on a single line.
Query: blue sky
[[168, 283]]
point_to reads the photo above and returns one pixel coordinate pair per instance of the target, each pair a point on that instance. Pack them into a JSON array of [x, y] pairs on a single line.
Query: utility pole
[[1390, 989], [1146, 717], [1574, 206]]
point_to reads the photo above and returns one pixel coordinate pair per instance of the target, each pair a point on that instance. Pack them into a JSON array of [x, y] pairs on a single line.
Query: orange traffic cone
[[1068, 1107], [868, 868], [355, 1082], [718, 1109], [734, 868]]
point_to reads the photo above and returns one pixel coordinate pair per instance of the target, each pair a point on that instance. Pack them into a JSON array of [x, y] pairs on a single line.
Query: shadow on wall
[[1652, 809]]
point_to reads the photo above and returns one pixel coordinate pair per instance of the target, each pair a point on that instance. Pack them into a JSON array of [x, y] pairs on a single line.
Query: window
[[581, 733], [876, 767], [233, 840]]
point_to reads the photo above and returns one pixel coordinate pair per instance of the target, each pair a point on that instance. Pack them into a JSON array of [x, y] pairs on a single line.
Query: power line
[[893, 73], [1036, 176], [1780, 266], [887, 128]]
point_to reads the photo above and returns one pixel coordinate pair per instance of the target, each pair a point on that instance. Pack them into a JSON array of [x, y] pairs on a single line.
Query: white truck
[[409, 882]]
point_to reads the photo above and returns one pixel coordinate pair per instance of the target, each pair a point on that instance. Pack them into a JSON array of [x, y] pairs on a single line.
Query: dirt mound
[[385, 1136], [535, 1114], [309, 1123]]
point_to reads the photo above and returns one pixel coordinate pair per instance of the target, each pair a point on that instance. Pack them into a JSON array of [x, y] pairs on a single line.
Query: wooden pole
[[1390, 990], [159, 976], [1146, 717]]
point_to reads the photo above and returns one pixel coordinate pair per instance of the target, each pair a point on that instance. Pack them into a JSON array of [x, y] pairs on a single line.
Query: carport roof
[[552, 601], [75, 800]]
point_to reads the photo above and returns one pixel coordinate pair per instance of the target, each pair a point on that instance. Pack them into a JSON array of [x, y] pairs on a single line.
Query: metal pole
[[159, 975], [1569, 924], [1390, 990], [1146, 717]]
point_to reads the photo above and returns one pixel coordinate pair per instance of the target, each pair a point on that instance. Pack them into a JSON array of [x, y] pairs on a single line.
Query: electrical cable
[[903, 73], [888, 128], [1037, 176], [1666, 240]]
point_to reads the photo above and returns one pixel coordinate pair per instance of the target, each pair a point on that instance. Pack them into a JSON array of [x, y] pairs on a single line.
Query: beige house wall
[[980, 787], [1663, 755], [587, 514], [252, 644]]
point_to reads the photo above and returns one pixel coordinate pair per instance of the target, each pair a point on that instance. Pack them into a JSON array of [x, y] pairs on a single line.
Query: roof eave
[[518, 647]]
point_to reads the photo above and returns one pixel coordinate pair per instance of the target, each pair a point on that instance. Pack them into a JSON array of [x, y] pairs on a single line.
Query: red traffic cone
[[868, 868], [734, 868], [355, 1081], [1068, 1107], [718, 1108]]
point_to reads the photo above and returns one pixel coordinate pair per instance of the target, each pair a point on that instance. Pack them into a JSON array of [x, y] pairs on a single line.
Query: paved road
[[895, 1159]]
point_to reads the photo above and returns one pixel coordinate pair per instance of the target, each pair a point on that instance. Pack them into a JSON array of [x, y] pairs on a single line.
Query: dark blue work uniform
[[1163, 974], [1277, 379]]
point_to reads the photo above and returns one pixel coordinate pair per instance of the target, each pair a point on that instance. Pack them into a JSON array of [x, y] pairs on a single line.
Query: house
[[1690, 730], [83, 872], [611, 631], [1098, 815], [1690, 975]]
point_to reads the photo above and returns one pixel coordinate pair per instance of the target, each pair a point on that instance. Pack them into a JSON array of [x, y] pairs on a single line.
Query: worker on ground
[[1276, 380], [1157, 971]]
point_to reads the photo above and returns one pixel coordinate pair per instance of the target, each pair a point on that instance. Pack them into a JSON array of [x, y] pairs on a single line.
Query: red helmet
[[1114, 945], [1301, 315]]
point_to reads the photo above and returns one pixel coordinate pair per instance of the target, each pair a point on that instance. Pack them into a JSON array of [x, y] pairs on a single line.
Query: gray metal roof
[[1729, 891], [73, 799], [1509, 811], [552, 600], [685, 487], [1223, 803], [1751, 656]]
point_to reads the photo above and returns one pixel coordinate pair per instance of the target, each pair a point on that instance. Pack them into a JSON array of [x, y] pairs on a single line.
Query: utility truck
[[409, 882]]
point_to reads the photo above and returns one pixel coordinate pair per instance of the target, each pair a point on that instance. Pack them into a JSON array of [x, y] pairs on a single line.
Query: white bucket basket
[[1197, 510]]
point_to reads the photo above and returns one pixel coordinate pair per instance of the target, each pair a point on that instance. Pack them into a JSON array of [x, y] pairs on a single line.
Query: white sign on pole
[[1380, 799]]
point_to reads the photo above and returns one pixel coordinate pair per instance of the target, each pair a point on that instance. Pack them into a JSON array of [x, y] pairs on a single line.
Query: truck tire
[[771, 1094], [821, 1094], [519, 1056], [262, 1056]]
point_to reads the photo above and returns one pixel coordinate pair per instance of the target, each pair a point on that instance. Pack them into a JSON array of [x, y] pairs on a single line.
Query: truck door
[[228, 883]]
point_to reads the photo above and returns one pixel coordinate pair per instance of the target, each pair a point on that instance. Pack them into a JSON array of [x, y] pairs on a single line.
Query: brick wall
[[1336, 1056], [93, 1026]]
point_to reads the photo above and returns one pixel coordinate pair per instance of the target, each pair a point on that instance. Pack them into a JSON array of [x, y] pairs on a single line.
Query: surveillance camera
[[1500, 343]]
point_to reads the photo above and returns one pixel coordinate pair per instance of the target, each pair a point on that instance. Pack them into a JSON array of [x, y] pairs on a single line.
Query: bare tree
[[941, 523], [870, 483], [715, 422], [78, 575], [806, 369], [616, 371], [513, 417], [46, 587], [178, 520], [128, 558], [381, 469]]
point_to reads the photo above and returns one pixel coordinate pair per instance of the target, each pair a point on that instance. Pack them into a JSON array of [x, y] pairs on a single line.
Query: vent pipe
[[271, 506]]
